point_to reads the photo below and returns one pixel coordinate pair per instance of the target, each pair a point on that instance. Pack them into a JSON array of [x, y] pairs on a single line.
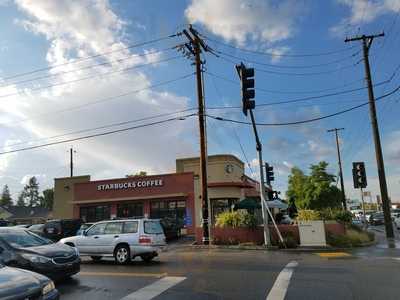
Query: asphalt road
[[370, 273]]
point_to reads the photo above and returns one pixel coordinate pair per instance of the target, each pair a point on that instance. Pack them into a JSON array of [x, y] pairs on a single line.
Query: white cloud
[[364, 11], [262, 21], [75, 29]]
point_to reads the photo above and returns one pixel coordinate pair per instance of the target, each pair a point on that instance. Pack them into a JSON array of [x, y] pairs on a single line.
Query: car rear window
[[153, 227], [130, 227]]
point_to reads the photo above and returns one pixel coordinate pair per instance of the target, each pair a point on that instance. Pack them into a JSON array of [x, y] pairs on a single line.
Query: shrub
[[339, 215], [236, 219], [289, 240], [308, 215], [352, 238]]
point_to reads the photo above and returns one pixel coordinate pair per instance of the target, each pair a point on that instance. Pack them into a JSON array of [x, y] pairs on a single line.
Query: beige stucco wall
[[217, 173], [63, 195]]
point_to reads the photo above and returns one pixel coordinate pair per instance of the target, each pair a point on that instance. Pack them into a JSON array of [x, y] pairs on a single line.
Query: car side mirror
[[84, 232]]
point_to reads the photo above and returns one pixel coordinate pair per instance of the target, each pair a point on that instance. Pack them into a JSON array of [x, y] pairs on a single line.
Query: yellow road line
[[123, 274], [333, 254]]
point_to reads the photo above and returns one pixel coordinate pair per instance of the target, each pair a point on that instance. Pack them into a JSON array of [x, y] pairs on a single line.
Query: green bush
[[352, 238], [236, 219], [308, 215], [339, 215]]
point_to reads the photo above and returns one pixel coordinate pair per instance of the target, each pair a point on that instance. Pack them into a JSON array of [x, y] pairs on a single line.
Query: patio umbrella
[[248, 203]]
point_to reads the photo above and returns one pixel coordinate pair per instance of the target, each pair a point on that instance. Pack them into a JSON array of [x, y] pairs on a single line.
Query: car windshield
[[23, 239], [152, 227], [36, 227]]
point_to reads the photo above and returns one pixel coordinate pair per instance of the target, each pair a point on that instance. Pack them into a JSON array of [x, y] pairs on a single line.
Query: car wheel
[[147, 257], [96, 258], [122, 255]]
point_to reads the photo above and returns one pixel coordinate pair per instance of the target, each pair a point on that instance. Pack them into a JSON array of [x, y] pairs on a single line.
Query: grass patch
[[352, 238]]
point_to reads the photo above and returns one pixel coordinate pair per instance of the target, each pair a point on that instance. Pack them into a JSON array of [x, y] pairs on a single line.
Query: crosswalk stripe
[[122, 274], [153, 290], [279, 289]]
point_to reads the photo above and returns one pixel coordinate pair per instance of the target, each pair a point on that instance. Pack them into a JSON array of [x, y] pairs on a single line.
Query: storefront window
[[130, 210], [95, 213], [173, 210], [221, 205]]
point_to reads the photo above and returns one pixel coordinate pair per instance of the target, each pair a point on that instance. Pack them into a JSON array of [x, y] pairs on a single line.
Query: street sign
[[359, 175]]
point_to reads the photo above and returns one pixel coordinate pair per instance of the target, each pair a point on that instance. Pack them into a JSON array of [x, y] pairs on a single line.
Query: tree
[[31, 192], [47, 199], [315, 191], [137, 174], [6, 196], [21, 199]]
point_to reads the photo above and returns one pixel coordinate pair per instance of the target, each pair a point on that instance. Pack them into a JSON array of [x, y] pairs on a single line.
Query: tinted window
[[152, 227], [113, 228], [22, 239], [53, 228], [97, 229], [130, 227]]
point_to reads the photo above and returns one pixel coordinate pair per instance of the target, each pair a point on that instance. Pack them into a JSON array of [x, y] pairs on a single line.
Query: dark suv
[[58, 229]]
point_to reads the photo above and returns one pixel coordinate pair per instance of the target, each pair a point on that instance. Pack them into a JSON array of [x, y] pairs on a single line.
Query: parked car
[[394, 212], [4, 223], [83, 228], [377, 219], [24, 249], [57, 229], [22, 284], [36, 228], [286, 220], [396, 221], [121, 239], [22, 226]]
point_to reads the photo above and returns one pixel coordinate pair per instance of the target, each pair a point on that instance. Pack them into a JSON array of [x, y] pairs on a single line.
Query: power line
[[98, 134], [281, 55], [92, 76], [101, 127], [85, 68], [296, 74], [286, 92], [91, 56], [287, 66], [102, 100], [308, 120]]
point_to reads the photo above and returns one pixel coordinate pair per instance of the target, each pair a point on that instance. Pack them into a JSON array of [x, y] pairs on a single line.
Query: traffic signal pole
[[340, 166], [366, 42]]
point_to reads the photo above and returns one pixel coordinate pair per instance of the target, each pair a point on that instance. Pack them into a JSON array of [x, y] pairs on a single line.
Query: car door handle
[[116, 236], [95, 237]]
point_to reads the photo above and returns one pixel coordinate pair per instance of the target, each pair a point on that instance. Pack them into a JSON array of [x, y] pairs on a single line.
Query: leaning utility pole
[[194, 46], [366, 42], [340, 166]]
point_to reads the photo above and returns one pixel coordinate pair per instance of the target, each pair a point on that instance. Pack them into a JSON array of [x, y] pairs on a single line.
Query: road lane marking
[[156, 275], [281, 284], [333, 254], [153, 290]]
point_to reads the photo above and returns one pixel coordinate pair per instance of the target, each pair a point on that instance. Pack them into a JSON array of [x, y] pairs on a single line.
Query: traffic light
[[269, 173], [359, 175], [247, 83]]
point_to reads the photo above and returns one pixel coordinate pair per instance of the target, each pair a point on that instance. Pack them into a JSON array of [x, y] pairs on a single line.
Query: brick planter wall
[[228, 235]]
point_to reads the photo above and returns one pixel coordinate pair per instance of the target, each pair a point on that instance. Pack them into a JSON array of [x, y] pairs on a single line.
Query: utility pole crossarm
[[363, 37]]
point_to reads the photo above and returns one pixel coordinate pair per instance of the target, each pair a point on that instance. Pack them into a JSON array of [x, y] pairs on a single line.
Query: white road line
[[279, 289], [154, 289]]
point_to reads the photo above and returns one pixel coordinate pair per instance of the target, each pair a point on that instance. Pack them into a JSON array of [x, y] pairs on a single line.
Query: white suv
[[121, 239]]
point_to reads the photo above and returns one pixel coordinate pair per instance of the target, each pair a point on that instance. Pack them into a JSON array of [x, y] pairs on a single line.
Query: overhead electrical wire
[[99, 134], [84, 68], [91, 76], [286, 92], [102, 127], [278, 66], [304, 121], [92, 56], [277, 54], [102, 100]]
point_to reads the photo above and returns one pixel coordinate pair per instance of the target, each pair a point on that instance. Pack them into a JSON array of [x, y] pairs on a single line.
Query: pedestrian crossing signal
[[359, 175]]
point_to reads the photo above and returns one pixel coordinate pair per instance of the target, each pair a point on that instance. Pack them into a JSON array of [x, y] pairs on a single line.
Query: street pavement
[[186, 273]]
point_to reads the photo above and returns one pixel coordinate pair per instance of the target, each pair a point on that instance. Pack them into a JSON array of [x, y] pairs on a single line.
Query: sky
[[70, 66]]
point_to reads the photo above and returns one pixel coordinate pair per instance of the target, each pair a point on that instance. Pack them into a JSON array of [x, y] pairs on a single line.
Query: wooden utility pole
[[340, 166], [194, 47], [71, 161], [366, 42]]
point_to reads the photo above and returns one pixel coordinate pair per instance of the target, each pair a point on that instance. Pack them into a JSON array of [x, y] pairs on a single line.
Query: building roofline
[[195, 158], [73, 177]]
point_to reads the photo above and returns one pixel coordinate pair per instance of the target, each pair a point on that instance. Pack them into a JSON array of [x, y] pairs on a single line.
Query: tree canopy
[[140, 173], [6, 196], [314, 191], [47, 199], [30, 193]]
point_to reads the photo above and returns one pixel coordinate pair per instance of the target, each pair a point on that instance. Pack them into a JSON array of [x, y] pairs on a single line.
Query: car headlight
[[48, 288], [36, 258]]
